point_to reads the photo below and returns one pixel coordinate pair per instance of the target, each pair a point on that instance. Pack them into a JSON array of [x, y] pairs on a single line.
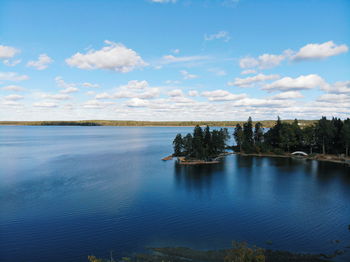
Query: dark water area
[[69, 192]]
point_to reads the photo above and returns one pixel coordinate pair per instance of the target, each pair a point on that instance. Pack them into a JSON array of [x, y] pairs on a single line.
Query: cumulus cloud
[[13, 88], [287, 95], [250, 81], [134, 89], [320, 51], [264, 61], [137, 102], [308, 52], [186, 75], [224, 35], [176, 93], [340, 98], [302, 82], [114, 56], [45, 104], [135, 84], [217, 71], [193, 93], [56, 96], [42, 63], [8, 52], [222, 95], [86, 84], [95, 104], [13, 97], [341, 87], [12, 76]]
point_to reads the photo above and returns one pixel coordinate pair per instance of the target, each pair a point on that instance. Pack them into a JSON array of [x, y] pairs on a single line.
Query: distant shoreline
[[266, 123]]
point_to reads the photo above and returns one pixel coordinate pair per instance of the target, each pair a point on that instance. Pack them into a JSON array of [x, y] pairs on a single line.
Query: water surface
[[68, 192]]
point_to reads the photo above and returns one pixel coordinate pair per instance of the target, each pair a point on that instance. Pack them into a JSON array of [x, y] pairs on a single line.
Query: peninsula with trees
[[326, 139]]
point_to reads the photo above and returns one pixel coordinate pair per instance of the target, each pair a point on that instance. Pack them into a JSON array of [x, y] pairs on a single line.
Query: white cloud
[[13, 97], [114, 56], [222, 95], [137, 102], [320, 51], [250, 81], [186, 75], [13, 88], [248, 71], [287, 95], [193, 93], [167, 59], [330, 98], [264, 61], [86, 84], [12, 76], [338, 88], [176, 93], [224, 35], [8, 52], [135, 84], [300, 83], [307, 52], [175, 51], [42, 63], [95, 104], [56, 96], [45, 104], [69, 90], [11, 63]]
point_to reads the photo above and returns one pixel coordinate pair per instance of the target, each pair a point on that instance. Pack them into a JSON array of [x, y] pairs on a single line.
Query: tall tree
[[258, 133], [324, 133], [238, 136], [248, 132], [309, 137], [198, 142], [178, 145], [345, 136], [187, 144]]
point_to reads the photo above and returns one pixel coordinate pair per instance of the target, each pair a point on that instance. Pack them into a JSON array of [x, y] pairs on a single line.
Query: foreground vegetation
[[266, 123], [240, 252]]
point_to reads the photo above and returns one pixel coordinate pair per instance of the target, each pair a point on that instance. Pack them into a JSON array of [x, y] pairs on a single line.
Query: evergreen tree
[[248, 132], [187, 145], [345, 135], [238, 136], [178, 145], [324, 133], [309, 137], [258, 133], [198, 150]]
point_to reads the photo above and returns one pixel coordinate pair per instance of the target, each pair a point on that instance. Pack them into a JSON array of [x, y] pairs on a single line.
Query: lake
[[69, 192]]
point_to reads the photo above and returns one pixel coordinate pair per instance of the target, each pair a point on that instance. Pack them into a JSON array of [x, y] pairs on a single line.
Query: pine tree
[[178, 145]]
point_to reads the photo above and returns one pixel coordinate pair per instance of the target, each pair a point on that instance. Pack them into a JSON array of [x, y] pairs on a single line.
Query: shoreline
[[318, 157]]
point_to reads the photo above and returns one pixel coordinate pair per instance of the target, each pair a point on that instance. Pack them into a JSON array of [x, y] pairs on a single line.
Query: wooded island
[[325, 136]]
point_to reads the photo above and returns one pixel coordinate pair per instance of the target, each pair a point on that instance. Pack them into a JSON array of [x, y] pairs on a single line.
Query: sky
[[168, 60]]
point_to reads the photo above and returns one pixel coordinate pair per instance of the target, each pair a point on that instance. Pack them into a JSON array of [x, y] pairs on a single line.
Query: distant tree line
[[325, 136], [202, 144]]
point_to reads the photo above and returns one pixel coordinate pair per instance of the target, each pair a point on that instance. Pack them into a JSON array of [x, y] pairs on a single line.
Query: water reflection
[[199, 178]]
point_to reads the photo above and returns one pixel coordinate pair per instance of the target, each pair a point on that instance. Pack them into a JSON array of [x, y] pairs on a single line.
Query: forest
[[326, 136]]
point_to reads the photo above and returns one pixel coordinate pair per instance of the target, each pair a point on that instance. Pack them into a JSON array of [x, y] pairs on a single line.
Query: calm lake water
[[68, 192]]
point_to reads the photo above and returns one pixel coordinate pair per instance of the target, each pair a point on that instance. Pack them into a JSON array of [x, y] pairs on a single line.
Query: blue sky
[[174, 60]]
